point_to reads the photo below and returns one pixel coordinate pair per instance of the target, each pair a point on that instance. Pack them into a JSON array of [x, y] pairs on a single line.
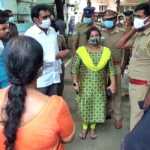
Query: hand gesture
[[112, 88], [62, 54], [76, 86]]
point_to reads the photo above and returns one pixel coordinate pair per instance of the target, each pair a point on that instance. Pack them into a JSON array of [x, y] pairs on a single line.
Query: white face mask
[[45, 23], [139, 23], [122, 21]]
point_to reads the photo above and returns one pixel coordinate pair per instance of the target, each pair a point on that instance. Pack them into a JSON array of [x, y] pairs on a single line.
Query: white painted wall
[[12, 4], [9, 4]]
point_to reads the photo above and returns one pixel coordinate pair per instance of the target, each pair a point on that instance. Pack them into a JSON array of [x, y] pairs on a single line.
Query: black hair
[[145, 7], [88, 33], [37, 8], [9, 12], [13, 30], [128, 13], [4, 16], [24, 57], [89, 3]]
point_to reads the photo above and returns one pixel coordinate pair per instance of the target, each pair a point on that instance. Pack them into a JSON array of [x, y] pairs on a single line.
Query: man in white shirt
[[47, 37]]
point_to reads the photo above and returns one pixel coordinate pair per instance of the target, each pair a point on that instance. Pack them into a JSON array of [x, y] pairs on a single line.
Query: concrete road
[[108, 138]]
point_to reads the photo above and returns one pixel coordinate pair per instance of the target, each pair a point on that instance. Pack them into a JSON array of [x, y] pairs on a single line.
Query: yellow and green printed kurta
[[92, 97]]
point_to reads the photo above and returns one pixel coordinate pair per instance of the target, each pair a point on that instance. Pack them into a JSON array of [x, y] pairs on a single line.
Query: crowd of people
[[32, 107]]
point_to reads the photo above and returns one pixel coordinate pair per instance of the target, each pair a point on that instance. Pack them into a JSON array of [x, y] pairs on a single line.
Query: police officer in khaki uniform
[[128, 24], [111, 34], [63, 48], [79, 37], [139, 66]]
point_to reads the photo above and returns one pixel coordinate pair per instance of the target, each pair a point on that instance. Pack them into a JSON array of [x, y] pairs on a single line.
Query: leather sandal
[[93, 135], [83, 134]]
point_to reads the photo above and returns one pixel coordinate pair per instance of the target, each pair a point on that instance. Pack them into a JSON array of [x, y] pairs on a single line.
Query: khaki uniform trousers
[[114, 105], [137, 93], [116, 101]]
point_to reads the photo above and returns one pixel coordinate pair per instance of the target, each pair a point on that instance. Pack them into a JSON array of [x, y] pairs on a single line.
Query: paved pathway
[[108, 138]]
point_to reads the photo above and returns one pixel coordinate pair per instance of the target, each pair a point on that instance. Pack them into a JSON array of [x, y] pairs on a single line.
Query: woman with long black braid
[[29, 119]]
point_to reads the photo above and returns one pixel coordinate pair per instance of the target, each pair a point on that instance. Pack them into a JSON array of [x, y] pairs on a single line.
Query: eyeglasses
[[45, 17], [113, 18]]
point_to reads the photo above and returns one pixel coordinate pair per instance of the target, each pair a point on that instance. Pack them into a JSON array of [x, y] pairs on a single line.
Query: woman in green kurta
[[89, 65]]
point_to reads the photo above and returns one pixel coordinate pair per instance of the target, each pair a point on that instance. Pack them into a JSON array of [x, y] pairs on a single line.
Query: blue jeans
[[138, 138]]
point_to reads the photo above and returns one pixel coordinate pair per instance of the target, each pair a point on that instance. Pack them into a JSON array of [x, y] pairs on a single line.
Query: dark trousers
[[61, 84], [50, 90], [138, 138]]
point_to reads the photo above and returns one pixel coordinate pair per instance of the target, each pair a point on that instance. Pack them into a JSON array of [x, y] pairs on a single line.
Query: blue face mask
[[87, 20], [94, 40], [109, 24]]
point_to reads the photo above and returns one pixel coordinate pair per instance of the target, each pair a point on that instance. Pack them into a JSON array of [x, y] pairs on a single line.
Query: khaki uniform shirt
[[139, 66], [79, 37], [61, 42], [126, 52], [109, 39]]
